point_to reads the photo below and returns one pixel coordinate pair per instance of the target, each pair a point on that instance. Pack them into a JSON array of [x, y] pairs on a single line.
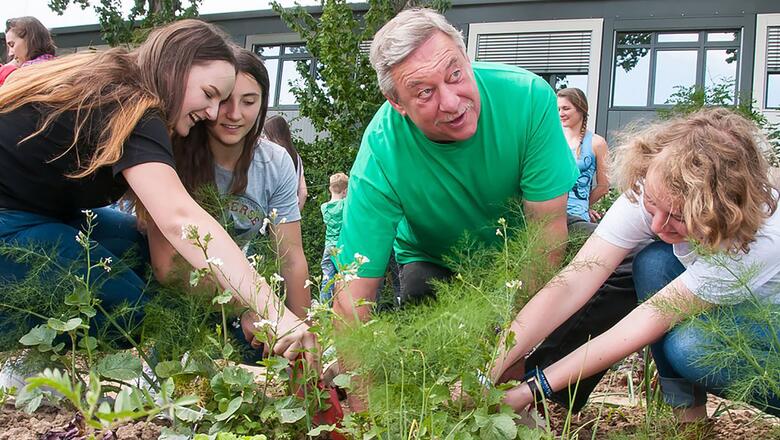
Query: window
[[566, 53], [282, 60], [766, 70], [772, 100], [650, 66]]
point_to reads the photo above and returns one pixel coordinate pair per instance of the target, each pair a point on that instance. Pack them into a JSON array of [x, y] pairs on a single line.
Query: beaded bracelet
[[538, 383]]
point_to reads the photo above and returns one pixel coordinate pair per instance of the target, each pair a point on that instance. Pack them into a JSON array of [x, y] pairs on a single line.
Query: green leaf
[[237, 376], [291, 415], [195, 278], [88, 311], [29, 399], [438, 394], [498, 427], [275, 363], [88, 343], [168, 369], [187, 414], [60, 383], [232, 407], [321, 429], [79, 297], [227, 351], [60, 326], [39, 335], [343, 381], [223, 298], [93, 392], [180, 433], [122, 366]]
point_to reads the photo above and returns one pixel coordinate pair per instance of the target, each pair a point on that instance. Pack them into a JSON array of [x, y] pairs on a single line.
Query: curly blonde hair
[[711, 165]]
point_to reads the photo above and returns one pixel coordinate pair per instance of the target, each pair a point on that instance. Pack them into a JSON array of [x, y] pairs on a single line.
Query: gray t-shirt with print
[[272, 184]]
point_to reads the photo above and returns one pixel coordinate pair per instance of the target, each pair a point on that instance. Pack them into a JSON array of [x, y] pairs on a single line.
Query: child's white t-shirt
[[718, 279]]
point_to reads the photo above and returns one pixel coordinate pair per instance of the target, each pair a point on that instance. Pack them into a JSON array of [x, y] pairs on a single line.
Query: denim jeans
[[328, 272], [684, 379], [114, 236]]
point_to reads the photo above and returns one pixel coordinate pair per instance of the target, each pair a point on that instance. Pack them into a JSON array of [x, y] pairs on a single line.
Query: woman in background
[[27, 42]]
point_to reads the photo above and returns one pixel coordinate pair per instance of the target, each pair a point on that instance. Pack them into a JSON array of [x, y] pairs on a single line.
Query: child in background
[[331, 215]]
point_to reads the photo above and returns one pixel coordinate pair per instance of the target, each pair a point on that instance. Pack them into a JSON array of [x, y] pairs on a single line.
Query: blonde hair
[[338, 183], [84, 83], [711, 164], [122, 86], [400, 37]]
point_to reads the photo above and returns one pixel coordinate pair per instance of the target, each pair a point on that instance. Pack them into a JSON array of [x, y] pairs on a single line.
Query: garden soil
[[618, 415]]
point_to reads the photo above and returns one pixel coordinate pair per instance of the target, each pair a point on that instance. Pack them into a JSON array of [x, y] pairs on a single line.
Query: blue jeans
[[684, 379], [328, 272], [114, 236]]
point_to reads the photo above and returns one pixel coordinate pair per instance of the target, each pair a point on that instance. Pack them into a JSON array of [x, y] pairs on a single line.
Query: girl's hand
[[594, 216], [519, 398], [293, 338]]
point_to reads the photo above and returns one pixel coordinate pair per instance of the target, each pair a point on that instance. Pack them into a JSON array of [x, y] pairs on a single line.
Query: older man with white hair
[[453, 144]]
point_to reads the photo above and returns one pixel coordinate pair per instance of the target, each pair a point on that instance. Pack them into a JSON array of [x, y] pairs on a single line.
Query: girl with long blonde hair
[[78, 132]]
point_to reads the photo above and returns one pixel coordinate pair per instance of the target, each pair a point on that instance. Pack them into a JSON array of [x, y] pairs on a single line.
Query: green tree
[[133, 29], [686, 100]]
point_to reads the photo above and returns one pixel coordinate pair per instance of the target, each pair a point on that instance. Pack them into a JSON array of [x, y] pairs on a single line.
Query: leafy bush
[[686, 100], [414, 357]]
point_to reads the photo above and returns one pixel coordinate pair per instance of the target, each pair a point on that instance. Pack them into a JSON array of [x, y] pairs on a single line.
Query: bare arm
[[161, 252], [171, 208], [560, 299], [601, 152], [295, 269], [303, 191], [552, 213], [646, 324], [347, 294]]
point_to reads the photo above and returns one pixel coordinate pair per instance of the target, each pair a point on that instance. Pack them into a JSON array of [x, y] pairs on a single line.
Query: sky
[[75, 16]]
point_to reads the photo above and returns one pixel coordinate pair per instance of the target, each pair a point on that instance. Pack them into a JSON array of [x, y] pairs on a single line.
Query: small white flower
[[263, 324], [361, 259], [189, 231], [348, 277], [502, 221], [276, 278], [263, 228], [308, 284], [499, 233], [104, 263], [89, 213], [514, 284], [214, 261], [82, 239]]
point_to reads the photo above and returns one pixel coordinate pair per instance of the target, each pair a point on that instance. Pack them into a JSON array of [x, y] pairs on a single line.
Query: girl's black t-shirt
[[33, 174]]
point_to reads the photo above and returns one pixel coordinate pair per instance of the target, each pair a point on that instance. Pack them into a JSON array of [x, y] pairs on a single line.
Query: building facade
[[627, 55]]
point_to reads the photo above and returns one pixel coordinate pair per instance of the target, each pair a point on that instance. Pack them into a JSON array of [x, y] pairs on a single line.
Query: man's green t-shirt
[[421, 197], [332, 217]]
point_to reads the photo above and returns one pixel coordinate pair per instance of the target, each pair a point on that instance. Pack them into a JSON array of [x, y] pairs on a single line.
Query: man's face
[[436, 89]]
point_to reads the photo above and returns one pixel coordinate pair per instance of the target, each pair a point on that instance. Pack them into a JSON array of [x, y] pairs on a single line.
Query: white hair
[[400, 37]]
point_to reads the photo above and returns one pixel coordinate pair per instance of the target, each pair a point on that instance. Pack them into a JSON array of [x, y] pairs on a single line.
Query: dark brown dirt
[[54, 422]]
